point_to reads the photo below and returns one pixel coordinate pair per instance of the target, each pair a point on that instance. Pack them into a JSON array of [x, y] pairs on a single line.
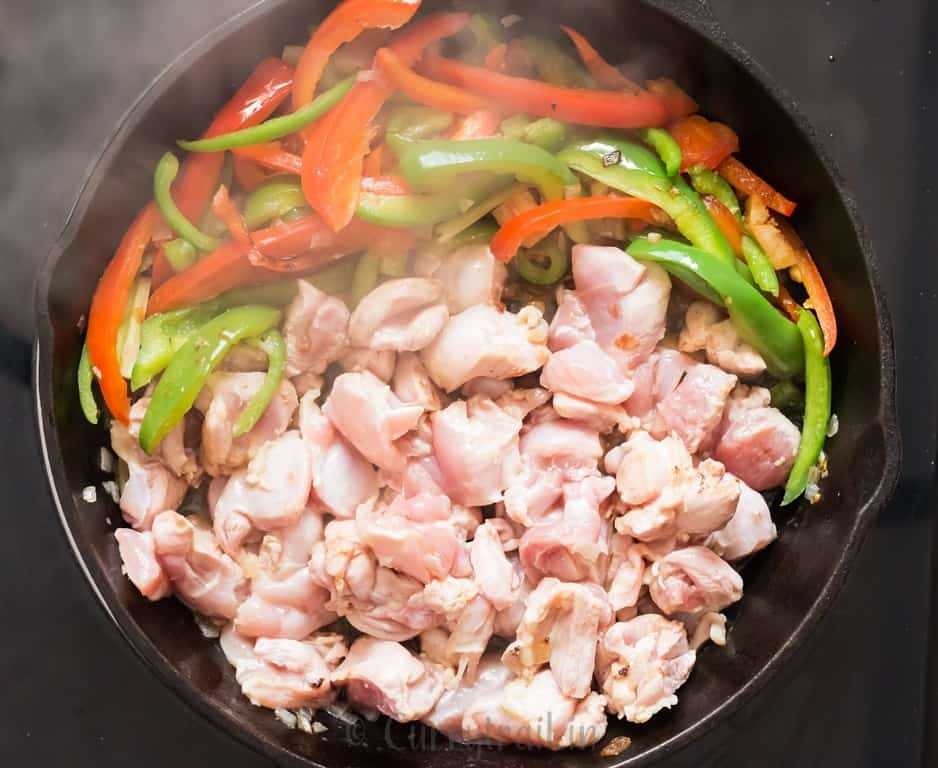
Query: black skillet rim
[[697, 16]]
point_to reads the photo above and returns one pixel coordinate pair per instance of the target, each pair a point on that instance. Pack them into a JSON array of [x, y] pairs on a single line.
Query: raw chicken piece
[[757, 443], [490, 388], [625, 576], [202, 576], [412, 384], [315, 330], [508, 620], [381, 364], [470, 620], [749, 530], [414, 536], [286, 674], [657, 378], [704, 628], [484, 341], [222, 400], [534, 712], [561, 625], [342, 478], [151, 488], [693, 579], [138, 556], [709, 500], [522, 403], [470, 275], [383, 676], [573, 546], [694, 410], [706, 329], [181, 459], [402, 315], [627, 302], [447, 716], [586, 372], [270, 493], [602, 418], [371, 418], [571, 324], [491, 568], [641, 663], [476, 448]]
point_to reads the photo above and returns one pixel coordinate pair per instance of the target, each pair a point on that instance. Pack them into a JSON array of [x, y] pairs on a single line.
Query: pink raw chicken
[[641, 663], [413, 385], [470, 623], [367, 413], [625, 576], [284, 674], [694, 579], [402, 315], [470, 276], [447, 716], [488, 342], [561, 625], [173, 451], [202, 576], [655, 380], [757, 442], [707, 329], [383, 676], [694, 410], [749, 530], [315, 330], [222, 400], [571, 324], [138, 556], [491, 568], [586, 372], [381, 364], [341, 477]]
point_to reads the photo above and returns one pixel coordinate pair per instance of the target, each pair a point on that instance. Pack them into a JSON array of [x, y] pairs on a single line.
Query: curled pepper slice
[[423, 90], [606, 74], [750, 183], [704, 142], [166, 171], [273, 345]]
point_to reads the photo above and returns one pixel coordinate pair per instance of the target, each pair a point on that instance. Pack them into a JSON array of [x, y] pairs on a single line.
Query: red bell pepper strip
[[497, 58], [262, 93], [107, 311], [343, 25], [272, 156], [727, 222], [337, 145], [606, 74], [744, 180], [481, 124], [703, 142], [228, 213], [423, 90], [538, 222], [818, 298], [785, 302], [572, 105], [247, 173], [678, 103], [162, 270]]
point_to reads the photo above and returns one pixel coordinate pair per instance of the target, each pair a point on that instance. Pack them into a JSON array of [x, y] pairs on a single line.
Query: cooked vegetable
[[744, 180], [450, 229], [817, 406], [727, 223], [407, 210], [543, 264], [166, 171], [763, 273], [181, 254], [272, 200], [423, 90], [89, 406], [554, 65], [189, 368], [130, 331], [707, 182], [606, 74], [703, 143], [164, 334], [412, 123], [273, 345], [367, 273], [667, 148]]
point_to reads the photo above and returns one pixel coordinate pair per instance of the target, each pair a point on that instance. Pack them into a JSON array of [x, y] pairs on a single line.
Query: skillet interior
[[788, 587]]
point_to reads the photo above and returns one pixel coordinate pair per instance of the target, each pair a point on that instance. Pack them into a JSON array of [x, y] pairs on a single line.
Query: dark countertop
[[74, 693]]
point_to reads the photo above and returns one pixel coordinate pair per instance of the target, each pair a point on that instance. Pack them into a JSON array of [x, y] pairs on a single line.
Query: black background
[[72, 693]]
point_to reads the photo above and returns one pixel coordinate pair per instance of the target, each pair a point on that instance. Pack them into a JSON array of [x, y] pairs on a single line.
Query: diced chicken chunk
[[707, 330], [657, 378], [173, 451], [470, 621], [471, 275], [694, 579], [749, 530], [625, 575], [571, 324], [484, 341], [380, 363], [694, 410], [586, 372], [402, 315], [413, 385], [491, 568], [138, 556], [315, 330], [447, 716]]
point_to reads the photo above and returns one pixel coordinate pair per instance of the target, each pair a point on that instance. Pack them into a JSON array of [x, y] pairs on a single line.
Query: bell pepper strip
[[89, 406], [749, 183], [278, 294], [272, 200], [346, 22], [373, 164], [228, 213], [180, 254], [407, 210], [787, 304], [247, 173], [632, 169], [544, 264], [707, 182], [496, 59], [604, 73], [676, 101], [164, 334], [425, 91], [667, 148], [480, 232], [553, 65], [273, 156], [190, 367], [273, 345], [570, 105], [412, 122], [276, 127], [260, 96], [385, 185], [336, 278], [367, 273], [336, 147], [758, 323], [129, 335], [818, 298], [763, 273], [435, 165], [542, 220], [161, 270], [166, 171], [817, 407], [481, 124], [449, 230], [703, 142], [727, 223], [786, 394], [488, 33], [107, 312]]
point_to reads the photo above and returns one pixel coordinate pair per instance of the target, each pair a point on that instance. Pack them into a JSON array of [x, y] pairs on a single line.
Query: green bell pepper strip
[[180, 254], [817, 406], [273, 199], [410, 123], [269, 295], [449, 230], [408, 210], [186, 374], [708, 182], [273, 345], [276, 127], [436, 165], [763, 273], [164, 334], [336, 278], [367, 273], [487, 32], [555, 66], [166, 171], [514, 127], [636, 171], [480, 232], [545, 133], [394, 264], [786, 394], [667, 148], [544, 264], [758, 323], [89, 405]]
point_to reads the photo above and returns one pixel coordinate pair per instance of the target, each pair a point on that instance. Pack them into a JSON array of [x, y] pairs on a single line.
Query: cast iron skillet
[[788, 587]]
